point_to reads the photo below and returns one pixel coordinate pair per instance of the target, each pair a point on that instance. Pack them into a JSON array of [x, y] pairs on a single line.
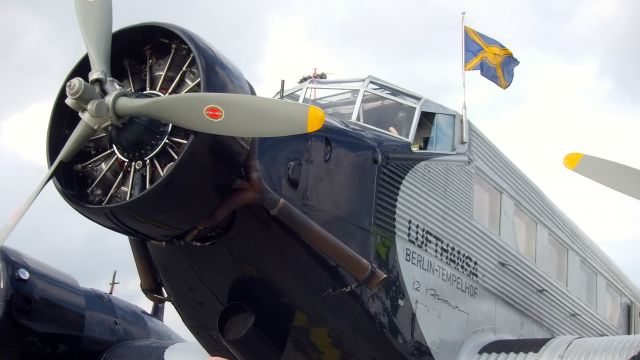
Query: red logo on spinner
[[213, 112]]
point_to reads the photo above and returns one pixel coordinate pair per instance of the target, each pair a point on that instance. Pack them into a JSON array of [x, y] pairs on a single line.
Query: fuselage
[[455, 281]]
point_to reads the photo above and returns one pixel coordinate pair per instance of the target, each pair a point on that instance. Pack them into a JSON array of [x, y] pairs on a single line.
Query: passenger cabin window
[[586, 284], [525, 230], [486, 205], [555, 262], [611, 308], [434, 132], [386, 114]]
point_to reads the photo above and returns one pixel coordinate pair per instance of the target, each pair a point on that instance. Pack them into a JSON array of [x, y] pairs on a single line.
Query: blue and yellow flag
[[493, 59]]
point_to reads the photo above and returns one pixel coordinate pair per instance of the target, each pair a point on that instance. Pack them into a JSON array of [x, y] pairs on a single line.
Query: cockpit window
[[386, 114], [380, 105], [294, 96], [435, 132], [337, 103], [393, 92]]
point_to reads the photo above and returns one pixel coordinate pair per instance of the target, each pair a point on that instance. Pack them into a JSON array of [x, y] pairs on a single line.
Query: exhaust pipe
[[256, 191]]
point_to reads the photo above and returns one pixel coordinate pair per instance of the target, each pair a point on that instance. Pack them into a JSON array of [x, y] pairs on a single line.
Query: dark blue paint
[[50, 314]]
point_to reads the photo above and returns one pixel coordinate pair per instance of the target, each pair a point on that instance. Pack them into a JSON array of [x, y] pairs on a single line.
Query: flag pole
[[465, 135]]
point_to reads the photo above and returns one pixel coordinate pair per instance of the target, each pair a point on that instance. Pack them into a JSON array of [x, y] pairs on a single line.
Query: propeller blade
[[226, 114], [82, 133], [95, 20], [11, 224], [622, 178]]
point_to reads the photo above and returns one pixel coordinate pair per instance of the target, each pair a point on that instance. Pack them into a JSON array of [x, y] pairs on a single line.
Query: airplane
[[46, 314], [395, 231]]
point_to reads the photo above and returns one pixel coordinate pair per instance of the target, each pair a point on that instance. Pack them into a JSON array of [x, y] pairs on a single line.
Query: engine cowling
[[148, 179]]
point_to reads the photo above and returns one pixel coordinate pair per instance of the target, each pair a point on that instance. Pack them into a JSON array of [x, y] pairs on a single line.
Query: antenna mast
[[113, 282], [465, 135]]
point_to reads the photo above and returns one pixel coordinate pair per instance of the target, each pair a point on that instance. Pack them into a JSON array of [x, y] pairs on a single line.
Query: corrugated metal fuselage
[[411, 214]]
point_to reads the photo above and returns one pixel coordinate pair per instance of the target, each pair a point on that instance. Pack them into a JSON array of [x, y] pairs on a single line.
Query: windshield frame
[[364, 86]]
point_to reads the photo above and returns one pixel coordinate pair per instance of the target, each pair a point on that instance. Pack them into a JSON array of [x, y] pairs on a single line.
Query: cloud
[[23, 134], [574, 90], [294, 53], [608, 32], [40, 50]]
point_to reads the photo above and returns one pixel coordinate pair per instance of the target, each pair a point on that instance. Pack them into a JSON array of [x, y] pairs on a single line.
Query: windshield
[[374, 104], [337, 103], [377, 104], [386, 114]]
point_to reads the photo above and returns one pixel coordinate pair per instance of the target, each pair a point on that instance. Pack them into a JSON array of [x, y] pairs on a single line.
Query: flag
[[493, 59]]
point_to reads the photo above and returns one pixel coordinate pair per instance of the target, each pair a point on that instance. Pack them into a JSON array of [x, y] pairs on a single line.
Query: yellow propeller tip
[[315, 118], [572, 160]]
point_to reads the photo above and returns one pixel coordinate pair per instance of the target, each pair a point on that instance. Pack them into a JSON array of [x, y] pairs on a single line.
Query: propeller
[[621, 178], [94, 18], [213, 113], [226, 114]]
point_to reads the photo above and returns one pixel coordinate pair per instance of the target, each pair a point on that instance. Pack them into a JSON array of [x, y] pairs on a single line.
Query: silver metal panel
[[515, 298], [444, 195], [388, 184], [492, 163], [603, 348], [514, 183], [571, 348], [439, 196], [553, 350]]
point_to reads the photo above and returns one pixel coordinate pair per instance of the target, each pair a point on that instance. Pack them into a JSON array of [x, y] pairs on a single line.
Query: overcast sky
[[576, 89]]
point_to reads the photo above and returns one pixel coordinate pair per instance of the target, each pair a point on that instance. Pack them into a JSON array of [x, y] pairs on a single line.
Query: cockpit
[[380, 106]]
